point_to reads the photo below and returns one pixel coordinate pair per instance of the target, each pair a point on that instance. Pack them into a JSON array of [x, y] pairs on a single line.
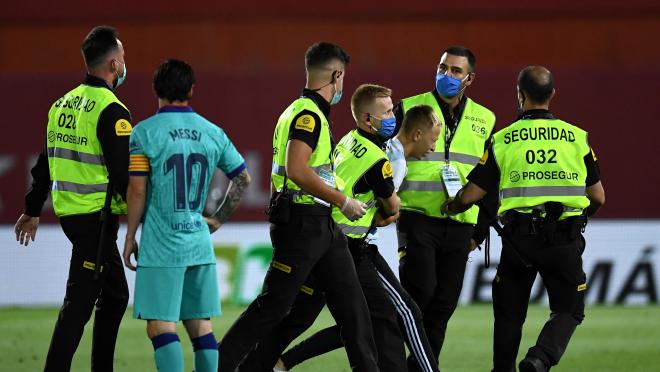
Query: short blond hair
[[365, 94], [419, 117]]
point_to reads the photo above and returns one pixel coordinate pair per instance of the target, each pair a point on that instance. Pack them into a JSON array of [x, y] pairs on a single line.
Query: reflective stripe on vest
[[75, 157], [422, 189], [351, 166], [540, 161], [58, 152], [422, 186], [524, 192], [357, 231], [280, 170], [453, 156], [320, 159], [78, 188]]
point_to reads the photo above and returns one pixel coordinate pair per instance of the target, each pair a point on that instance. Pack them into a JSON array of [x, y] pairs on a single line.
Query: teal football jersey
[[178, 150]]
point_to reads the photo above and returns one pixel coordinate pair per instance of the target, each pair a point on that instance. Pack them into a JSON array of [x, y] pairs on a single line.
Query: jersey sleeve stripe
[[237, 171]]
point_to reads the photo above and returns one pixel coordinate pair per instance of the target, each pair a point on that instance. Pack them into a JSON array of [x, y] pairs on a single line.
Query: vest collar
[[451, 117], [536, 114], [372, 137], [94, 81], [318, 99]]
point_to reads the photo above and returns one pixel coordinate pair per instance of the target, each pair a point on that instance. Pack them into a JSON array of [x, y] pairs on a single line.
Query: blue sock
[[206, 353], [168, 352]]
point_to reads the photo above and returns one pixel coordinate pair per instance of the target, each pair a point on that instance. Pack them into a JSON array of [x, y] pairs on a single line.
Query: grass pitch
[[610, 339]]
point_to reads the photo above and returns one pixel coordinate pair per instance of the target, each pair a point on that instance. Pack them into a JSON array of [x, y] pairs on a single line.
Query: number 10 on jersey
[[194, 167]]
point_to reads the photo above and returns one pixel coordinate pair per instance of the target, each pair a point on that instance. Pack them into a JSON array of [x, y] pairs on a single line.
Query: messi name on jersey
[[185, 134]]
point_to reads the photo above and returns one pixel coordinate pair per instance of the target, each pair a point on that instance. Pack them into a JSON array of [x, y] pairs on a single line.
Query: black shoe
[[532, 364]]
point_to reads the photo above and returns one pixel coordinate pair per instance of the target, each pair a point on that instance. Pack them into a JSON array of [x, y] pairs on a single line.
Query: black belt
[[518, 217], [439, 220], [311, 209], [527, 223]]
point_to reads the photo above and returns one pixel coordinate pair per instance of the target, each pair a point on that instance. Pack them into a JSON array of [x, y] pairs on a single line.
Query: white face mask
[[120, 79]]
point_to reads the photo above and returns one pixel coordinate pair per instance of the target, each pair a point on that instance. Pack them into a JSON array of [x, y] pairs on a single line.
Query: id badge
[[329, 179], [450, 179]]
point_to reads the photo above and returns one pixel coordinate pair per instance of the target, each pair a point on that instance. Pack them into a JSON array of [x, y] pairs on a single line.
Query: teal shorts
[[176, 293]]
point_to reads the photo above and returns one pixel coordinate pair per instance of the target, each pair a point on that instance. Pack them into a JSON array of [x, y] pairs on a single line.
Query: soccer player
[[173, 158]]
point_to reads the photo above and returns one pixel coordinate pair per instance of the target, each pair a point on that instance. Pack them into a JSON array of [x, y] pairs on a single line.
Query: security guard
[[306, 240], [434, 247], [85, 166], [365, 173], [548, 181]]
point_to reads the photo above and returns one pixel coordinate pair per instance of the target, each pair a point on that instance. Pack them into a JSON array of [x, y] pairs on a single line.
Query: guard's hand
[[444, 209], [473, 245], [213, 223], [26, 229], [380, 221], [130, 248], [353, 209]]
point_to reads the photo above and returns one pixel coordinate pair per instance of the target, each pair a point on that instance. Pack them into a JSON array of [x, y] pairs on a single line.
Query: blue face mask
[[120, 79], [447, 86], [387, 127], [336, 98]]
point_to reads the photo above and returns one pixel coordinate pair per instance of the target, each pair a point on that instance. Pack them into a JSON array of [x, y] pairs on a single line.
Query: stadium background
[[249, 64]]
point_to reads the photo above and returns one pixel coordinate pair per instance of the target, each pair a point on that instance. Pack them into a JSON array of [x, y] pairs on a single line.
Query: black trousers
[[373, 268], [560, 265], [109, 293], [307, 244], [391, 309], [433, 254]]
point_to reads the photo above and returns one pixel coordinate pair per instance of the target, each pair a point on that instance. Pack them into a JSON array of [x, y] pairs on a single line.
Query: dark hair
[[419, 117], [321, 53], [173, 80], [462, 51], [537, 83], [97, 44]]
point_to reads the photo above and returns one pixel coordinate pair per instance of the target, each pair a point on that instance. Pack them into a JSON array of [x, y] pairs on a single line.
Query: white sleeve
[[399, 170], [398, 162]]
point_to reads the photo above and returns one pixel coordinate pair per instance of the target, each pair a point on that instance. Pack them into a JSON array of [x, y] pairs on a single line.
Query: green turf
[[610, 339]]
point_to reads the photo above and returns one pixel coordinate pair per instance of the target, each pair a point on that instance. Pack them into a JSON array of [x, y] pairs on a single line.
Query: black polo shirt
[[489, 204], [376, 178], [310, 130], [115, 154], [487, 175], [451, 117]]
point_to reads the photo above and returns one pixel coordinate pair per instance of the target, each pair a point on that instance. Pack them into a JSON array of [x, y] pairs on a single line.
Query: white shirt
[[397, 159]]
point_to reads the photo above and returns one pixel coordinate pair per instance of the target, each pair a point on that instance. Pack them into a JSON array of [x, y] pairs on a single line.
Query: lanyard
[[449, 137]]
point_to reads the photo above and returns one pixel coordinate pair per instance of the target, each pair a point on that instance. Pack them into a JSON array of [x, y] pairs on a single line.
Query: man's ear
[[190, 93], [471, 77], [417, 135], [114, 65]]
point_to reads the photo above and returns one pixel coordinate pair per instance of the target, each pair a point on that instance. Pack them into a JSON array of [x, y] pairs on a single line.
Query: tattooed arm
[[233, 196]]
